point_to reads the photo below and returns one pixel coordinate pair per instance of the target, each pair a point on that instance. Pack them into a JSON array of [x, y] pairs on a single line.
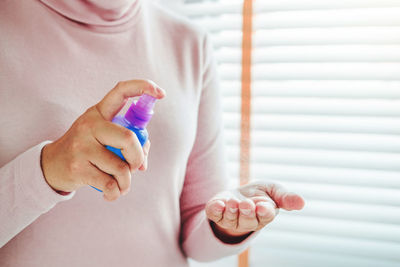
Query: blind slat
[[309, 18], [283, 256], [315, 174], [232, 6], [317, 123], [326, 141], [337, 228], [314, 88], [354, 53], [348, 194], [350, 211], [323, 106], [322, 175], [313, 157], [335, 245], [316, 71], [313, 36]]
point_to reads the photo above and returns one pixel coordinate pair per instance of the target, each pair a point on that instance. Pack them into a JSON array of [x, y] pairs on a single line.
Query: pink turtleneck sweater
[[57, 58]]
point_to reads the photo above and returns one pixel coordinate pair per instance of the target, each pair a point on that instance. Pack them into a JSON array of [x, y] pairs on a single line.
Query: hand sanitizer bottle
[[136, 119]]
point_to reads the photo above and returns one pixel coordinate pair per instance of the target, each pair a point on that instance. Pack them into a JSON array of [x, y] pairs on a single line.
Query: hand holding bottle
[[80, 157]]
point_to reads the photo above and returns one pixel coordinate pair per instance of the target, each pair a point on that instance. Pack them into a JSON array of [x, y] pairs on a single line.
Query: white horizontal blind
[[325, 123]]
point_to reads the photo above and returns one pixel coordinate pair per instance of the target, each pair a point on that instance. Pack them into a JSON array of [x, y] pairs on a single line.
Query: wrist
[[44, 164]]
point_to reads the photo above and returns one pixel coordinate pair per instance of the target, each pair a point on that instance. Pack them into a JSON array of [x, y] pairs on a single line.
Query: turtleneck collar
[[97, 14]]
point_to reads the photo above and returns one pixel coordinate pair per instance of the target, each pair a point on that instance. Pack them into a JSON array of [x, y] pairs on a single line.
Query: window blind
[[325, 123]]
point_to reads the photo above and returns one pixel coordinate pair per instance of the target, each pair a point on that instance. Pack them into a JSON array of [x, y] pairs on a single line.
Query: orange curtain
[[246, 106]]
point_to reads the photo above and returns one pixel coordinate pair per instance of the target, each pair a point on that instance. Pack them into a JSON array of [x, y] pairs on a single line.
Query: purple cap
[[139, 114]]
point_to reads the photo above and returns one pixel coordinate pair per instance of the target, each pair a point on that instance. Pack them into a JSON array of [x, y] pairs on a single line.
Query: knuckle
[[90, 110], [76, 145], [122, 168], [111, 186], [150, 83], [129, 137], [138, 160], [119, 85], [84, 124]]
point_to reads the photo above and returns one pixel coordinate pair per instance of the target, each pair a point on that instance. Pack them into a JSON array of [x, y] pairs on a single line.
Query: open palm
[[250, 207]]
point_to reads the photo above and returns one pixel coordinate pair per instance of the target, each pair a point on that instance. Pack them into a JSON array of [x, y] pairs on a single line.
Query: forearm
[[24, 193]]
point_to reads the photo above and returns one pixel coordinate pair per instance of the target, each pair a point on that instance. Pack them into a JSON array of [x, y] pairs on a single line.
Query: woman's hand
[[249, 208], [80, 158]]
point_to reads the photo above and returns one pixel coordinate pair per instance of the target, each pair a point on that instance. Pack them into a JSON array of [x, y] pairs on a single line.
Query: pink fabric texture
[[58, 58]]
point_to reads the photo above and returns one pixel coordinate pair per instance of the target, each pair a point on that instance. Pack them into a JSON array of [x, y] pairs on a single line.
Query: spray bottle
[[136, 119]]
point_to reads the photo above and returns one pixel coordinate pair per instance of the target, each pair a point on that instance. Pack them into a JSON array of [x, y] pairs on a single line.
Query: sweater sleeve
[[24, 193], [206, 173]]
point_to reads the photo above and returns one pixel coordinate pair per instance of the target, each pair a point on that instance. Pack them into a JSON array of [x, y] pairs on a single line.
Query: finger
[[146, 147], [283, 198], [112, 103], [266, 213], [230, 215], [111, 134], [214, 210], [111, 164], [247, 217], [265, 198], [104, 182], [144, 164]]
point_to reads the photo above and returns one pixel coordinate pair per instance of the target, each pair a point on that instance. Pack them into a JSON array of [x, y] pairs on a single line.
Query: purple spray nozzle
[[139, 113]]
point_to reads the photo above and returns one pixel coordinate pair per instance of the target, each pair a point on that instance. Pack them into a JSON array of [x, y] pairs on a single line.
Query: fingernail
[[245, 211], [160, 91], [233, 210]]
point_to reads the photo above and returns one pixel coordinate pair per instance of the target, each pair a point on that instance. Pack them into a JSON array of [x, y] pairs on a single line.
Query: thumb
[[113, 102], [283, 198]]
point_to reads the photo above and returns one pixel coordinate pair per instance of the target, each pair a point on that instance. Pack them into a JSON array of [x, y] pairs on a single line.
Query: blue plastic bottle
[[136, 119]]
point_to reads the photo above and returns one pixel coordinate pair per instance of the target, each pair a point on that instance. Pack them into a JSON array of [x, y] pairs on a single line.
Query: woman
[[57, 61]]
